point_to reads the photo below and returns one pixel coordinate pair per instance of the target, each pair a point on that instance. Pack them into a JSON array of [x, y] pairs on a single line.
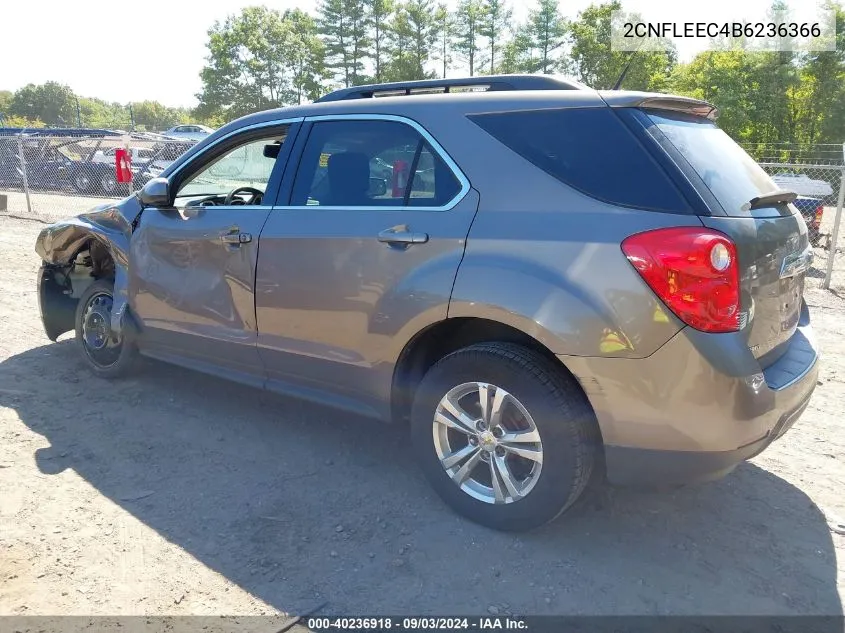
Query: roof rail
[[428, 86]]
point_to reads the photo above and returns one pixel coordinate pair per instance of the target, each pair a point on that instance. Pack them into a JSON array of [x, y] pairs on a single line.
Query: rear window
[[591, 150], [731, 175]]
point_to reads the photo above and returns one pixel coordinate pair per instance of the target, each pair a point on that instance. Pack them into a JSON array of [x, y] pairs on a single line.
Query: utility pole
[[131, 118], [78, 112]]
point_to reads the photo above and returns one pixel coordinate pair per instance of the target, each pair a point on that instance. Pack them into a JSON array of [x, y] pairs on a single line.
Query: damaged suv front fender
[[108, 225]]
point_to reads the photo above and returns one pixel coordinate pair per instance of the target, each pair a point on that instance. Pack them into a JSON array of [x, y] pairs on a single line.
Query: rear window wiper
[[779, 196]]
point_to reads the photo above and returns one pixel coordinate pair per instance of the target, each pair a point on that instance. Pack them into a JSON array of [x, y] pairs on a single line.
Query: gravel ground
[[175, 493]]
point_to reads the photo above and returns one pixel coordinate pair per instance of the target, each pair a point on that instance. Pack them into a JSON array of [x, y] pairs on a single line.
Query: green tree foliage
[[380, 13], [446, 29], [152, 116], [423, 30], [5, 100], [305, 57], [344, 25], [469, 19], [401, 63], [823, 88], [51, 102], [13, 120], [594, 62], [773, 103], [259, 59], [495, 24], [545, 33], [102, 114]]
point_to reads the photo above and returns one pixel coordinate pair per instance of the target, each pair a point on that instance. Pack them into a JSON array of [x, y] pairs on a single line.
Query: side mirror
[[378, 187], [156, 193]]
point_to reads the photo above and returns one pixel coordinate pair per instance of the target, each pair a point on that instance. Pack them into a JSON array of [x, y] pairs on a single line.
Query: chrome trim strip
[[453, 166], [240, 130]]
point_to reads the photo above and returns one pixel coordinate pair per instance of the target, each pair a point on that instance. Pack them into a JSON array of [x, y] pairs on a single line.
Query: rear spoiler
[[657, 101]]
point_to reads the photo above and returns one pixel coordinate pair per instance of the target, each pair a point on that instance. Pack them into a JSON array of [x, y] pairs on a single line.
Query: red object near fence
[[122, 165]]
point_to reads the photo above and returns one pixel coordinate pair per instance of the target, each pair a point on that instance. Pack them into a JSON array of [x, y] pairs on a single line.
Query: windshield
[[732, 176]]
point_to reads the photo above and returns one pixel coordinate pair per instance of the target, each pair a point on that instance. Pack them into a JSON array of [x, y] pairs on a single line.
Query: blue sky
[[130, 51]]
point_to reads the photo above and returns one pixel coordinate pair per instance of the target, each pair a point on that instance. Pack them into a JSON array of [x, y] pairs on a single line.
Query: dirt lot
[[174, 493]]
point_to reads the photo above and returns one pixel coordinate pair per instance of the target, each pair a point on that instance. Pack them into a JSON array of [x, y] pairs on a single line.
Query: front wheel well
[[443, 338], [61, 286]]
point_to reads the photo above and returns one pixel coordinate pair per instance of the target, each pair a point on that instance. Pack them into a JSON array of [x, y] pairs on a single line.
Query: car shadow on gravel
[[303, 506]]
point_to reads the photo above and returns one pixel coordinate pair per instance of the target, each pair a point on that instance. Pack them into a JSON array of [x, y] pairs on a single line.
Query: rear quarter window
[[592, 151]]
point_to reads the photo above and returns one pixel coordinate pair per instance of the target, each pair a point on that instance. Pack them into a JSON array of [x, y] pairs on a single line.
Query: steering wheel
[[255, 198]]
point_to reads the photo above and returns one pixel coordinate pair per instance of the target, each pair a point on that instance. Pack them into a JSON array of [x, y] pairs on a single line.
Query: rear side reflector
[[694, 271]]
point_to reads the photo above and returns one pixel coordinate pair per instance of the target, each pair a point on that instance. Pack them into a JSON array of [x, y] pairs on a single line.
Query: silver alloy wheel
[[82, 182], [487, 442]]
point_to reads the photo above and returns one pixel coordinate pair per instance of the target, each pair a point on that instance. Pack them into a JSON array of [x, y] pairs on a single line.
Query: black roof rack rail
[[491, 82]]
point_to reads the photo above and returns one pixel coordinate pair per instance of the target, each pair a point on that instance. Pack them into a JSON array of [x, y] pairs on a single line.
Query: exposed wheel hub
[[487, 441], [101, 345], [96, 327]]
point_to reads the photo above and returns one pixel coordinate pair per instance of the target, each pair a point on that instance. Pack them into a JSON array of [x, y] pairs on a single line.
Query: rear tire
[[537, 395], [107, 356]]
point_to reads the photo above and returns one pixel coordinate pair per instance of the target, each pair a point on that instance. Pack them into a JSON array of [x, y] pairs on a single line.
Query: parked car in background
[[44, 164], [163, 155], [568, 285], [138, 155], [803, 185], [812, 210], [192, 132]]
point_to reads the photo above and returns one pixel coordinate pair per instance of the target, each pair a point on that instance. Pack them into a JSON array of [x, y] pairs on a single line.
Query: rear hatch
[[744, 203]]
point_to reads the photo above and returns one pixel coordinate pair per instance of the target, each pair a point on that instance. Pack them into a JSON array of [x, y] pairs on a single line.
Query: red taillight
[[694, 271], [819, 215]]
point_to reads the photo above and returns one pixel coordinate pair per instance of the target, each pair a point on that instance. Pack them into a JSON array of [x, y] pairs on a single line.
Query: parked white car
[[193, 132], [139, 155], [803, 185]]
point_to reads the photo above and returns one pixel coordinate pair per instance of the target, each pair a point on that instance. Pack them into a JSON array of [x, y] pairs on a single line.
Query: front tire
[[108, 184], [106, 355], [504, 436], [82, 181]]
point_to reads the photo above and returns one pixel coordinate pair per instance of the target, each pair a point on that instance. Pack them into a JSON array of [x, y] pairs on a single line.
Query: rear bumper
[[639, 466], [684, 416]]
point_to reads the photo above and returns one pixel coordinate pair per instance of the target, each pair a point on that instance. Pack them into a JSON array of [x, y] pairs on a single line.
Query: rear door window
[[591, 150], [367, 163], [731, 175]]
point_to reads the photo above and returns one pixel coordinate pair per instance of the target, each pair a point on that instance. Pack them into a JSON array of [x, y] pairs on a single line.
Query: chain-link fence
[[49, 176], [46, 175], [820, 189]]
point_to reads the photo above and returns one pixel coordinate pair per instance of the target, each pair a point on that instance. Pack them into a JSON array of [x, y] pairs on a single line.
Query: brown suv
[[550, 282]]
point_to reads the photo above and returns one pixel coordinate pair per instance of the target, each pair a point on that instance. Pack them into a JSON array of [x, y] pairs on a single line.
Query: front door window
[[237, 177]]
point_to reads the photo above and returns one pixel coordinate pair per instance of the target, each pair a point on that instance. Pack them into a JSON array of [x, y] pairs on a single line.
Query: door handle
[[235, 238], [402, 235]]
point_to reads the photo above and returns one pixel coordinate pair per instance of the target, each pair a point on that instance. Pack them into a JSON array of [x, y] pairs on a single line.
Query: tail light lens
[[694, 271], [819, 215]]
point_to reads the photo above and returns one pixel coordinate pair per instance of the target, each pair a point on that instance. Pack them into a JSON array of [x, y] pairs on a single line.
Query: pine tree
[[468, 23], [496, 16], [546, 30], [380, 13], [344, 27], [445, 28]]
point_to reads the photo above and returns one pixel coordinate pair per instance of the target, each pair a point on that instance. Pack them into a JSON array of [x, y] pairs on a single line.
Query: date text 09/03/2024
[[416, 624]]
